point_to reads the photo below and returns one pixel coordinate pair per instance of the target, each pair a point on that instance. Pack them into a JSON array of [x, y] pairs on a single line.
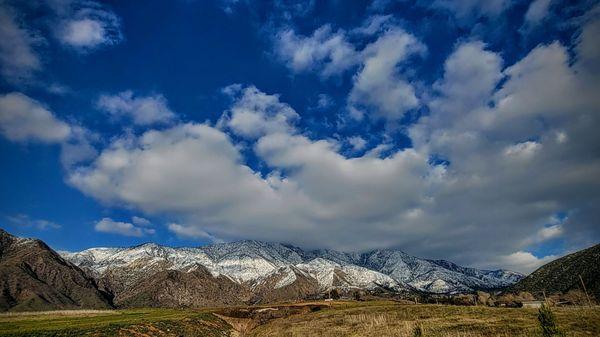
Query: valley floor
[[375, 318]]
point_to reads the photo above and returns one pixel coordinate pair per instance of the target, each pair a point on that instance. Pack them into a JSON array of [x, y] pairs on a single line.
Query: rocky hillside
[[34, 277], [562, 275]]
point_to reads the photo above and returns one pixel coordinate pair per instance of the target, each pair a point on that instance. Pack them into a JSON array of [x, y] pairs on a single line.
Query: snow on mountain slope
[[331, 274], [253, 262], [437, 276]]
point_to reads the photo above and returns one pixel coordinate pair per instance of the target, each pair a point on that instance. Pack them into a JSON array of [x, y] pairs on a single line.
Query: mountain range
[[219, 274], [266, 271]]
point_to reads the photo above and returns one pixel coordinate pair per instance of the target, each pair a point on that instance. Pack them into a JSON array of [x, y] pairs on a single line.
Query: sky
[[460, 130]]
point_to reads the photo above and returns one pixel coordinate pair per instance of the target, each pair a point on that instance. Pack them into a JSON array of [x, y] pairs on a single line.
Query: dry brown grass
[[82, 312], [382, 319]]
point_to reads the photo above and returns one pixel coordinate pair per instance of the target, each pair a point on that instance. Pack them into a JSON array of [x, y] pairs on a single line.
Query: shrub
[[418, 331], [483, 297], [548, 323], [575, 297]]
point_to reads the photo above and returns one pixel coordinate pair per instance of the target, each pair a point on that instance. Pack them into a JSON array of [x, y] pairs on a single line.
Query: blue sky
[[462, 130]]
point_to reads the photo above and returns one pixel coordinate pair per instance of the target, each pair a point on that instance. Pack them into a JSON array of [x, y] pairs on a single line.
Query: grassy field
[[383, 319], [138, 322], [378, 318]]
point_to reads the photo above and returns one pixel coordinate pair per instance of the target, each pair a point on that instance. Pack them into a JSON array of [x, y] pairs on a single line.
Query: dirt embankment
[[244, 320]]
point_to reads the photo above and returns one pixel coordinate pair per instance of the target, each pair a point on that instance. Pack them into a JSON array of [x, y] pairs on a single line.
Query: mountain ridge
[[565, 274], [35, 277], [249, 261]]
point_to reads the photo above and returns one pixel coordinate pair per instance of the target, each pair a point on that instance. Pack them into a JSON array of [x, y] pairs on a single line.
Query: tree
[[548, 322]]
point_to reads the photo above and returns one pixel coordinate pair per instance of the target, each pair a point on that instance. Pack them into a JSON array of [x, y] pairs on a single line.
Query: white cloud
[[143, 110], [83, 33], [256, 113], [358, 143], [24, 119], [23, 220], [537, 11], [470, 76], [374, 25], [505, 184], [190, 232], [325, 51], [18, 59], [139, 221], [550, 232], [524, 262], [108, 225], [524, 150], [482, 118], [379, 87], [86, 25], [78, 148]]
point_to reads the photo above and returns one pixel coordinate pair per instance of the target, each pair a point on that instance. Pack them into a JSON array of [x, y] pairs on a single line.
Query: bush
[[483, 297], [575, 297], [525, 296], [418, 331], [548, 323], [507, 300]]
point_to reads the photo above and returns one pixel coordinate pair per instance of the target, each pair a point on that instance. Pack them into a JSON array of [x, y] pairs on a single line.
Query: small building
[[532, 304]]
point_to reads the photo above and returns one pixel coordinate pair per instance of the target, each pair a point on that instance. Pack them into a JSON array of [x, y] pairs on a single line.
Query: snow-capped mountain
[[256, 265]]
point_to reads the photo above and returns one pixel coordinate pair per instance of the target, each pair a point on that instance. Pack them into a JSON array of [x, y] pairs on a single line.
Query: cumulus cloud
[[470, 75], [325, 51], [86, 25], [378, 87], [255, 113], [496, 182], [523, 261], [23, 119], [504, 172], [195, 171], [358, 143], [520, 155], [518, 145], [108, 225], [18, 59], [143, 110]]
